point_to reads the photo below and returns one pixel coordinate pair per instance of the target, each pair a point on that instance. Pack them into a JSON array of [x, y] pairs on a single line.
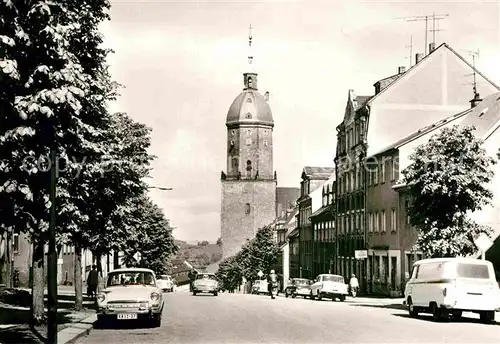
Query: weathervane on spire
[[250, 57]]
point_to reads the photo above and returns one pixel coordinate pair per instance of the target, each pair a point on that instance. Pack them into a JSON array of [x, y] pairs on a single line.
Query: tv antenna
[[426, 18], [475, 55], [410, 47]]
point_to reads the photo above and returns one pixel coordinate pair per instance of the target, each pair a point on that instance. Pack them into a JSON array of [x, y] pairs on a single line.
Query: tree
[[447, 180], [42, 86], [152, 238]]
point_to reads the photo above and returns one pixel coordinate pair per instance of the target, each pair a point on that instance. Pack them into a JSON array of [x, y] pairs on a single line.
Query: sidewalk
[[14, 319]]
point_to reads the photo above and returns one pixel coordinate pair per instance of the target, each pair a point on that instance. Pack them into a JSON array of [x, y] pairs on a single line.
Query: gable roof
[[485, 117], [318, 173], [418, 65]]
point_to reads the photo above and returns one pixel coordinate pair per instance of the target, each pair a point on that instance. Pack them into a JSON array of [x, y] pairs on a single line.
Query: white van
[[448, 286]]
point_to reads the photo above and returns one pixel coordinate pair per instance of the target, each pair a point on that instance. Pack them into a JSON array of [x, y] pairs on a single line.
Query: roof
[[294, 233], [321, 173], [362, 100], [442, 46], [459, 259], [322, 210], [484, 117], [250, 107]]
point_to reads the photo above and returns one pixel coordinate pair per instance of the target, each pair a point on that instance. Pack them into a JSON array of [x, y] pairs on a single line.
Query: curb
[[71, 334]]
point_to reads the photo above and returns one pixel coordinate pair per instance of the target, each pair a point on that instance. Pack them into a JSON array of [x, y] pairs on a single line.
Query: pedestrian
[[92, 281]]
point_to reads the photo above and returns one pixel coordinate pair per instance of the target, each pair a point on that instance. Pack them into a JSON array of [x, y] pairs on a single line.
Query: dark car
[[298, 287]]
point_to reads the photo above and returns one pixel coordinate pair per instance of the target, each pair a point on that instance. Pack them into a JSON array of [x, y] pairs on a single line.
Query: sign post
[[260, 273], [360, 254], [483, 243]]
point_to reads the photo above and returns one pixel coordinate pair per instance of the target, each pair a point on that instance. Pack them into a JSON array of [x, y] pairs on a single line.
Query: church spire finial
[[250, 55]]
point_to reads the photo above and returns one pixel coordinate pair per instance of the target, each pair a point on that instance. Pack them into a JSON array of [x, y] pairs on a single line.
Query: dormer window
[[248, 115]]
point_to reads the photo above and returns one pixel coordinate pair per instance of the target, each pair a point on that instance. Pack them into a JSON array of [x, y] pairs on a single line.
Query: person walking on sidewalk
[[92, 282]]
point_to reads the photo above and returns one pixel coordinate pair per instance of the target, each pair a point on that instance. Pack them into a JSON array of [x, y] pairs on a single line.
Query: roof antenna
[[250, 55], [476, 99], [426, 18], [410, 47]]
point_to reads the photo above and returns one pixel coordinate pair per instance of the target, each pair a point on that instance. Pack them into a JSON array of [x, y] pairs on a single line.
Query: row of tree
[[55, 91], [257, 254]]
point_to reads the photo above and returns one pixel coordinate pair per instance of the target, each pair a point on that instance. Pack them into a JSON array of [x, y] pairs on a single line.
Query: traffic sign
[[260, 273], [361, 254], [483, 242]]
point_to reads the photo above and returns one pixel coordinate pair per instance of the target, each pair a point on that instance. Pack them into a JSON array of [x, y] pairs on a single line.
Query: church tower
[[249, 183]]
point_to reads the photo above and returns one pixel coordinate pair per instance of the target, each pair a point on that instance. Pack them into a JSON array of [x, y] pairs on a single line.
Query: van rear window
[[472, 271]]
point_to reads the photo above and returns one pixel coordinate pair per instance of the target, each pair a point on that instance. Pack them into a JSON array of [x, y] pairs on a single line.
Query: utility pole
[[426, 18], [52, 252]]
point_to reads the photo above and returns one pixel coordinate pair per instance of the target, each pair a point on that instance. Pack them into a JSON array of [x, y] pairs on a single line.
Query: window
[[247, 208], [248, 142], [375, 222], [407, 211], [233, 132], [473, 271], [265, 143], [430, 270], [382, 171], [393, 220], [234, 165], [249, 131], [15, 243], [248, 115], [383, 222], [249, 168], [375, 175]]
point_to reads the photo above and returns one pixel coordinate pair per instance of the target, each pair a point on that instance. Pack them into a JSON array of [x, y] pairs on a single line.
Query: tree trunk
[[8, 259], [37, 292], [99, 270], [78, 279]]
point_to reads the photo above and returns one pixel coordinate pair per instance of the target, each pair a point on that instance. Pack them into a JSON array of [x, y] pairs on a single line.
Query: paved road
[[240, 318]]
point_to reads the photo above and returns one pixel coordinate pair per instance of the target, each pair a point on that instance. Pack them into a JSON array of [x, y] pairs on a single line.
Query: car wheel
[[436, 312], [342, 298], [215, 293], [487, 317], [156, 321], [412, 310], [319, 296], [194, 293]]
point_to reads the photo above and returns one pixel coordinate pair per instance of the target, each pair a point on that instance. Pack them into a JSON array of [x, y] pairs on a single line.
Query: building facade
[[390, 237], [249, 183], [323, 225], [430, 91], [310, 200]]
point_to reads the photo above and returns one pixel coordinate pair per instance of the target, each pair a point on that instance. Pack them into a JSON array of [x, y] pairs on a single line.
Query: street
[[243, 318]]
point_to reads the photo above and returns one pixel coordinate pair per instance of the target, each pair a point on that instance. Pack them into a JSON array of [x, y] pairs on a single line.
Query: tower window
[[247, 208], [249, 100], [234, 165], [265, 142], [249, 142], [249, 169], [233, 132], [249, 131], [248, 115]]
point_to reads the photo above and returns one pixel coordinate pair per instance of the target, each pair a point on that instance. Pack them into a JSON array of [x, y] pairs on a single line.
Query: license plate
[[126, 316]]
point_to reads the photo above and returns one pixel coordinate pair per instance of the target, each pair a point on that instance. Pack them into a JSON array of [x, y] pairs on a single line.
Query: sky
[[181, 63]]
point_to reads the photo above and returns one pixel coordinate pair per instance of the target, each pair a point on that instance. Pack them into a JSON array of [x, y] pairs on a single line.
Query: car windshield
[[205, 276], [125, 278], [302, 281], [338, 279], [473, 271]]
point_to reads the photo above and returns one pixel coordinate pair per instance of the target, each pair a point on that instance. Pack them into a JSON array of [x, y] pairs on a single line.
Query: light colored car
[[166, 283], [329, 286], [205, 283], [299, 287], [450, 286], [260, 287], [130, 294]]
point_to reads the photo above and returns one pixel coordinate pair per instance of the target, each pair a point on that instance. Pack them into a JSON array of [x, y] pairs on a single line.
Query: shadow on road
[[428, 318], [121, 325], [397, 306]]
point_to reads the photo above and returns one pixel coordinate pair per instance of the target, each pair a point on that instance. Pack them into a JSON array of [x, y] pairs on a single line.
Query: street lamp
[[160, 188]]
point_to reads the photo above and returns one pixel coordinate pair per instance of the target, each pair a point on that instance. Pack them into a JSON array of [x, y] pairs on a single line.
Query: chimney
[[401, 70], [432, 47], [266, 96], [419, 57], [475, 101]]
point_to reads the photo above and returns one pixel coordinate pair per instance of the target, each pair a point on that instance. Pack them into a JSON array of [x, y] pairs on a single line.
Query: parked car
[[205, 283], [299, 287], [260, 287], [166, 283], [130, 294], [450, 286], [329, 286]]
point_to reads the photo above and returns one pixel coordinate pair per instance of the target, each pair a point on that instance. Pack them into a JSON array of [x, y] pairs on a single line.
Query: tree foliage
[[258, 254], [447, 180], [152, 237]]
